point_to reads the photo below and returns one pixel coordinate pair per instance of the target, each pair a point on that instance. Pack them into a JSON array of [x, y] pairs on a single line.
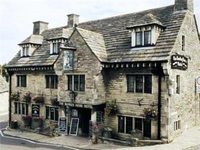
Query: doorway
[[84, 117], [147, 128]]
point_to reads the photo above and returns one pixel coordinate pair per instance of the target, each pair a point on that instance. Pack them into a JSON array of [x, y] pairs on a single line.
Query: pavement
[[189, 140]]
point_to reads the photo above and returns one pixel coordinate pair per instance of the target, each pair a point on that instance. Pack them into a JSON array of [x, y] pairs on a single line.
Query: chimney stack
[[73, 20], [184, 5], [39, 27]]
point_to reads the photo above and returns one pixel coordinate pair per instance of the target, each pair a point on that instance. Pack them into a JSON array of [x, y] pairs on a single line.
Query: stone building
[[135, 73]]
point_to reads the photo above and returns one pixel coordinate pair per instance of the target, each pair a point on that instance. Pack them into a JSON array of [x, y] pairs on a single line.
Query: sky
[[17, 16]]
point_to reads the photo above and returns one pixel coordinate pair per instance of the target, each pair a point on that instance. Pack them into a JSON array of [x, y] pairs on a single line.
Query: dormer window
[[25, 51], [54, 49]]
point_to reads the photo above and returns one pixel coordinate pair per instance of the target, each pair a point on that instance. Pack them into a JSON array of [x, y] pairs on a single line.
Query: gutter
[[9, 99]]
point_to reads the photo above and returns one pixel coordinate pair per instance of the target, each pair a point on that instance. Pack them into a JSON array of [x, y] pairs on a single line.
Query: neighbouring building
[[135, 73]]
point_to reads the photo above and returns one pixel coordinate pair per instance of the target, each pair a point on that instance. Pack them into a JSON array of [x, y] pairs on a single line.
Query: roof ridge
[[122, 15]]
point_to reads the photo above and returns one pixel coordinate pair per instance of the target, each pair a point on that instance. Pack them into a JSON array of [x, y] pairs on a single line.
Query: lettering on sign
[[62, 125], [179, 62], [35, 110]]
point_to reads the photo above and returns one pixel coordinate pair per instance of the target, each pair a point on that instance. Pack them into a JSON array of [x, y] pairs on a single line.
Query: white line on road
[[46, 144]]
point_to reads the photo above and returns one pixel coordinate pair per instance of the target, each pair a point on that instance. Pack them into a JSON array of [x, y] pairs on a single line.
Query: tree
[[3, 71]]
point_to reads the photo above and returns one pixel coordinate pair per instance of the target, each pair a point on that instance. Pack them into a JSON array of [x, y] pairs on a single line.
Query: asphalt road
[[9, 143]]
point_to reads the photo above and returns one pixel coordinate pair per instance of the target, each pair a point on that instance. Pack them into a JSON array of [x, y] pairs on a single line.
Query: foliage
[[27, 120], [15, 96], [27, 97], [3, 71], [38, 99], [111, 108], [54, 101], [150, 113]]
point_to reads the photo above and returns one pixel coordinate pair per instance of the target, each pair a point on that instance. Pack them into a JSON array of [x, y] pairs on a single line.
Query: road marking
[[30, 141]]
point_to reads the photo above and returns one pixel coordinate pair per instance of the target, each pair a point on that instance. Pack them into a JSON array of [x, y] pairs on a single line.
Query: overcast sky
[[16, 16]]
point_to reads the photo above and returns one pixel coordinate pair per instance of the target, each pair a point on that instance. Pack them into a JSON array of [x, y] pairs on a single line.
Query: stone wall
[[85, 63], [185, 106]]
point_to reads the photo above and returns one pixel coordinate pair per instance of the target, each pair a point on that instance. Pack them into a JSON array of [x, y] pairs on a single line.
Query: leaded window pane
[[139, 84]]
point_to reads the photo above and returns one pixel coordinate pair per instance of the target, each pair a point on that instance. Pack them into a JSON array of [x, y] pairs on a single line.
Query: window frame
[[51, 81], [54, 48], [49, 115], [124, 130], [144, 83], [18, 108], [79, 86], [142, 39], [21, 80], [178, 84], [25, 51]]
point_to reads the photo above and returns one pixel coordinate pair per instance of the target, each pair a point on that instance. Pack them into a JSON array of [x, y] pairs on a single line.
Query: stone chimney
[[39, 27], [73, 20], [184, 5]]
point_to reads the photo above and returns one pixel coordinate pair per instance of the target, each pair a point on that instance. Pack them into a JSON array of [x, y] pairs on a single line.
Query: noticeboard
[[74, 126], [62, 125]]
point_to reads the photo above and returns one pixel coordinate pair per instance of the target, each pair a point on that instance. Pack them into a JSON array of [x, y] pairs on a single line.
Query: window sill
[[138, 93], [54, 54], [142, 47]]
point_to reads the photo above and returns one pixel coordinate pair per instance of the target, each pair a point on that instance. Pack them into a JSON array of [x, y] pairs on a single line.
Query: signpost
[[62, 125]]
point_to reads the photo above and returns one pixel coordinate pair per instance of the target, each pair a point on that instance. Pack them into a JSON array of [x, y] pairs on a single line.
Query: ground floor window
[[99, 117], [52, 113], [21, 108], [128, 124]]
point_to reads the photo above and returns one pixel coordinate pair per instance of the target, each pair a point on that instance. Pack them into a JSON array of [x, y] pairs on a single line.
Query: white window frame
[[25, 51], [19, 107], [49, 115], [54, 47]]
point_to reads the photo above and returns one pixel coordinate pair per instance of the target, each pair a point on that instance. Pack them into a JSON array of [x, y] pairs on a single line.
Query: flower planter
[[27, 121], [55, 102], [39, 99], [15, 97]]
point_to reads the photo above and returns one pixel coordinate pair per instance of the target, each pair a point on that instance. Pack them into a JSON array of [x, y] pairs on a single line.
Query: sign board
[[35, 110], [74, 126], [198, 84], [62, 125], [179, 62]]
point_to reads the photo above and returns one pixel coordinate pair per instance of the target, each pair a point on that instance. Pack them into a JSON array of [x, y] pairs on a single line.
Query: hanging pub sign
[[35, 110], [62, 125], [68, 60], [179, 62]]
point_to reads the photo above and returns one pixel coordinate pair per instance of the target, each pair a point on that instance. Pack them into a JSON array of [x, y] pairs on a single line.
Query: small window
[[139, 38], [143, 38], [139, 83], [68, 60], [21, 108], [51, 81], [76, 82], [52, 113], [25, 51], [147, 37], [54, 49], [183, 43], [21, 80], [178, 84], [177, 125], [99, 117]]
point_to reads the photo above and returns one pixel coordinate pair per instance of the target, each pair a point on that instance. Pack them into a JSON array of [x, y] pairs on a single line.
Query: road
[[8, 143]]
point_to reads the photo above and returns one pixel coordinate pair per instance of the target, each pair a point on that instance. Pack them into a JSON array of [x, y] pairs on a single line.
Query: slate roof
[[110, 40], [96, 42]]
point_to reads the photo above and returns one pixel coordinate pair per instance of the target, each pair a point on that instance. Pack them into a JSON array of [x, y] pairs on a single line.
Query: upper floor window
[[178, 84], [143, 38], [54, 48], [76, 82], [51, 81], [25, 51], [139, 83], [68, 62], [21, 80]]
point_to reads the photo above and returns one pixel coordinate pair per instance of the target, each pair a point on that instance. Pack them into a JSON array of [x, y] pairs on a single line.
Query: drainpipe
[[9, 109], [159, 103]]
